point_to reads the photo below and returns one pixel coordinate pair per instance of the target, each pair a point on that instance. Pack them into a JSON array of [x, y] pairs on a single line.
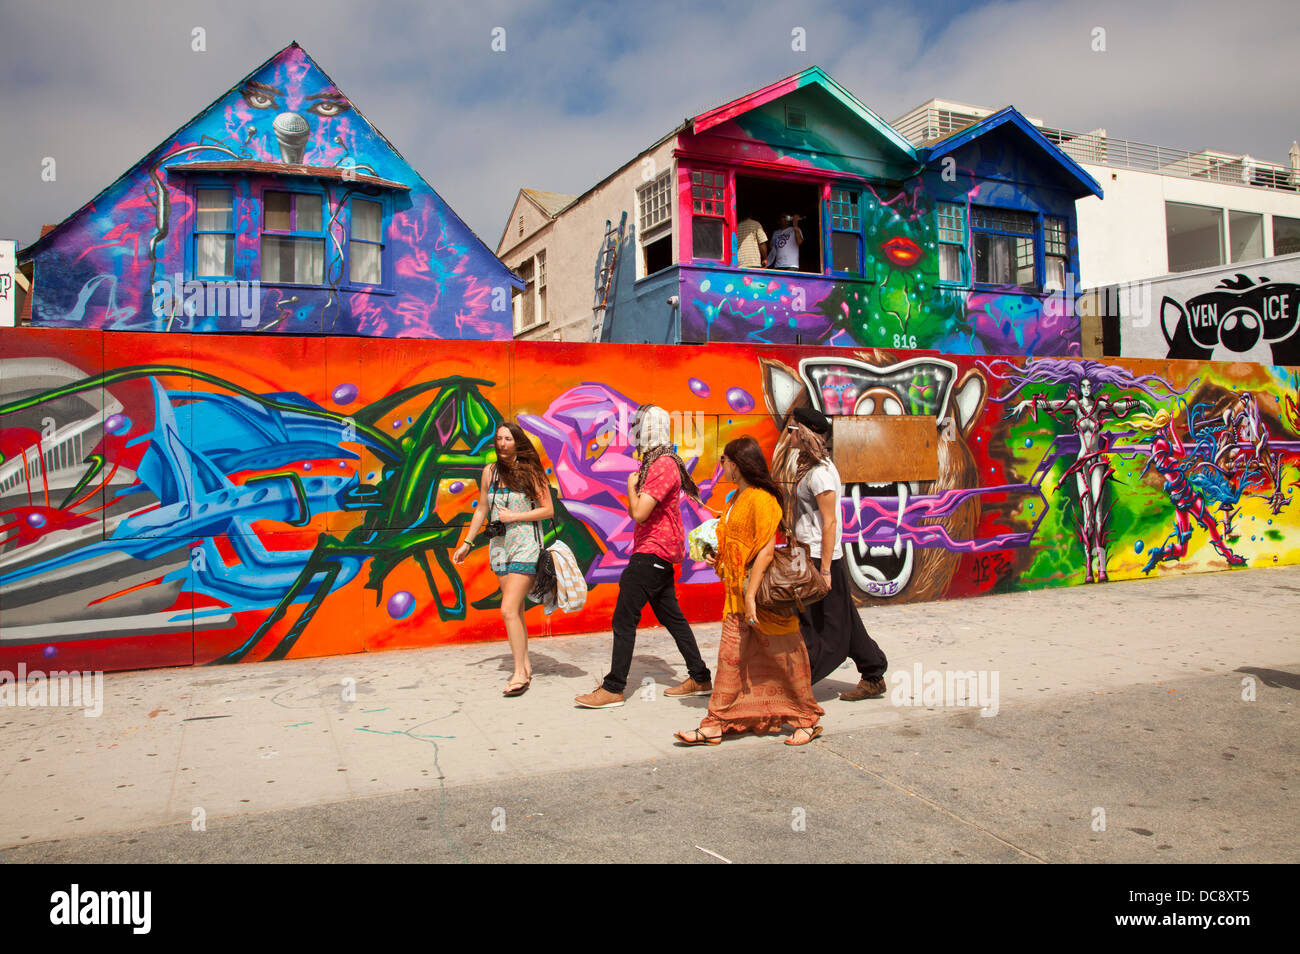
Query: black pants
[[832, 630], [649, 579]]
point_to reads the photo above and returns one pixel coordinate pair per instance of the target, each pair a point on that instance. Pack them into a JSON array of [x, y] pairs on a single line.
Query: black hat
[[813, 420]]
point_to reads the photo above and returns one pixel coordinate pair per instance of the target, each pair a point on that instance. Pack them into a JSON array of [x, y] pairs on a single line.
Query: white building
[[1165, 210]]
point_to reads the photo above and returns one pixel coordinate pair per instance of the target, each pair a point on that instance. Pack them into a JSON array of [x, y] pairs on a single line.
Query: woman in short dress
[[514, 491], [763, 680]]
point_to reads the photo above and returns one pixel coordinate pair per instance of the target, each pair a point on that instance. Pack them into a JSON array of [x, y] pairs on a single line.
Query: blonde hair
[[1152, 422]]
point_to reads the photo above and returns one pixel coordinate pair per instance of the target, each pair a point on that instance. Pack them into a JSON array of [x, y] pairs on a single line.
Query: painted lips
[[902, 251]]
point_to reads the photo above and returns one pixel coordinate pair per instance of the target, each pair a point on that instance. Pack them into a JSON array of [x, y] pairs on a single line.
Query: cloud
[[580, 89]]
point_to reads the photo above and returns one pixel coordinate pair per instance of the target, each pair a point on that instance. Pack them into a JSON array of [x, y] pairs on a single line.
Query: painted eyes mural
[[165, 510], [278, 209]]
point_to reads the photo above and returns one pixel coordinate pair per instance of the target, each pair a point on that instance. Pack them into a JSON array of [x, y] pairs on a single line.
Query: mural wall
[[278, 209], [1247, 312], [181, 499]]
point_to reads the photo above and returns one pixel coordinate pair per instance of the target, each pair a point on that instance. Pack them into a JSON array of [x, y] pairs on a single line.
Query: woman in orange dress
[[763, 680]]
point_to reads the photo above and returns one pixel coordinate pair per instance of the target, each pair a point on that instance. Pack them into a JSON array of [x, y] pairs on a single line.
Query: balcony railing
[[1124, 153]]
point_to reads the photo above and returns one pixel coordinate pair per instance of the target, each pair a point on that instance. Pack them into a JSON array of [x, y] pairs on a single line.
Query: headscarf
[[654, 439]]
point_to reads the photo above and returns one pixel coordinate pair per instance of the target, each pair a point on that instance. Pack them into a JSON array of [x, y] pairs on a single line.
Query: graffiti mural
[[277, 209], [1240, 314], [175, 500]]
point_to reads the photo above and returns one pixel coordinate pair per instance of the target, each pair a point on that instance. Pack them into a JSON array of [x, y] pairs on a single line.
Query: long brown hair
[[745, 453], [526, 474]]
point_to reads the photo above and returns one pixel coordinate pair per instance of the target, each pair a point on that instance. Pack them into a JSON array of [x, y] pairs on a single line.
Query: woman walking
[[762, 680], [513, 499], [832, 627]]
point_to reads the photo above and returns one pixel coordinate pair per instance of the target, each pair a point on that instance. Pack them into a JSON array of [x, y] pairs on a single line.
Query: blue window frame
[[366, 243], [1004, 243], [1056, 252], [214, 233], [846, 231], [293, 238], [954, 262]]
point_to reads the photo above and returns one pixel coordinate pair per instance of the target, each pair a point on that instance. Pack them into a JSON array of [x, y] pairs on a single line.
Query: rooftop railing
[[1211, 166]]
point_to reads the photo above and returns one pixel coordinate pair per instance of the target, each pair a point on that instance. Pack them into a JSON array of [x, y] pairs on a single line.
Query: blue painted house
[[277, 209], [964, 245]]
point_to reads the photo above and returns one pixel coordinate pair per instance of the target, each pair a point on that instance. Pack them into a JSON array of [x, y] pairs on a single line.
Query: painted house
[[280, 209], [1166, 210], [963, 245]]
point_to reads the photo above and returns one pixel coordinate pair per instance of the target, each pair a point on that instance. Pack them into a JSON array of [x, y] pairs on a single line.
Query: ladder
[[606, 262]]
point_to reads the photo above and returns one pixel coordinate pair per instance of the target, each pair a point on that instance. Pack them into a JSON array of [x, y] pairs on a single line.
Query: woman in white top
[[832, 627]]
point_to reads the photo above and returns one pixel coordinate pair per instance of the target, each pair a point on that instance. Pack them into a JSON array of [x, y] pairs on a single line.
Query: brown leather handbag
[[791, 582]]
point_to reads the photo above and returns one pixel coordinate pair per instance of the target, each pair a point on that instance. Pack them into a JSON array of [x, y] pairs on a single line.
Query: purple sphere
[[456, 486], [49, 652], [344, 394], [698, 387], [401, 604], [740, 400], [36, 520], [117, 424], [306, 466]]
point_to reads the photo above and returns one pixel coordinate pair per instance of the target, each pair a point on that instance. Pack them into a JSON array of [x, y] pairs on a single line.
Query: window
[[1246, 235], [1286, 235], [709, 203], [846, 232], [540, 268], [1004, 246], [1193, 236], [366, 250], [524, 301], [293, 243], [1056, 253], [654, 201], [214, 234], [952, 243]]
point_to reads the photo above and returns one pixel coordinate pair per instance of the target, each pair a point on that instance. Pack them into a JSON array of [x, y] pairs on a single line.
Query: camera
[[494, 528]]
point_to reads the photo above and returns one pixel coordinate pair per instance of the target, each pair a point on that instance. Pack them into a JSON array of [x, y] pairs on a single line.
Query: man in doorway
[[784, 253], [751, 243]]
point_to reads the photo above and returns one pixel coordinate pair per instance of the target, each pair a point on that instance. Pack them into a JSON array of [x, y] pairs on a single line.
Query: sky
[[582, 88]]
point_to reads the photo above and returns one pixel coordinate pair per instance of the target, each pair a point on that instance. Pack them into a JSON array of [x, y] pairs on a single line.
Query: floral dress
[[517, 550]]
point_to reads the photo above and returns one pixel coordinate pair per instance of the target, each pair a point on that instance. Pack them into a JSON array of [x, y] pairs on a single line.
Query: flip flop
[[813, 731], [519, 688], [700, 738]]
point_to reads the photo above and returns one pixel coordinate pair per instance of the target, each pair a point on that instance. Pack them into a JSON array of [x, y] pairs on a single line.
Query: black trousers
[[649, 579], [832, 630]]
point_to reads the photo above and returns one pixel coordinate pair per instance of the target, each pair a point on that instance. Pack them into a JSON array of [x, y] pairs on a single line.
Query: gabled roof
[[49, 233], [813, 76], [549, 202], [1012, 118]]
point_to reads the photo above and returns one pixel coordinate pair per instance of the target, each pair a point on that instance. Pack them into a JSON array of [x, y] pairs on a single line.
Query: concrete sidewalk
[[223, 742]]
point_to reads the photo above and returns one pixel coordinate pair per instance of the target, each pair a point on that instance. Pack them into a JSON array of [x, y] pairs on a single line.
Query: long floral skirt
[[762, 682]]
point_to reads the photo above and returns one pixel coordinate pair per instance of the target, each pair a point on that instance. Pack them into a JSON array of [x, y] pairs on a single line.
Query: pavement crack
[[935, 805]]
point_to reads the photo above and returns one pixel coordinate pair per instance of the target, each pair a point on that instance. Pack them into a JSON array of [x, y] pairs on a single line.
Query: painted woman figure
[[1087, 413], [1171, 462]]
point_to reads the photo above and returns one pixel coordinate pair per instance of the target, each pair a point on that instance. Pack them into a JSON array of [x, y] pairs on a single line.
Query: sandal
[[813, 732], [517, 688], [698, 738]]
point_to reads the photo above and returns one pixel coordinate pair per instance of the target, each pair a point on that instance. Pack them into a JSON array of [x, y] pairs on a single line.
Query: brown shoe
[[691, 688], [865, 689], [601, 698]]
